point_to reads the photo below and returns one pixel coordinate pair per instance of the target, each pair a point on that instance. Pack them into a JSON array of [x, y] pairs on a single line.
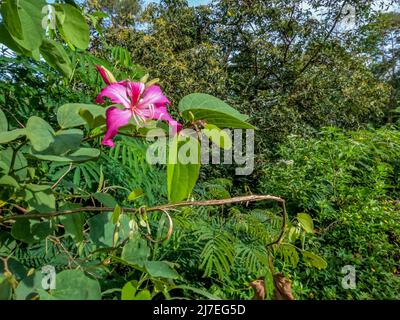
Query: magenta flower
[[140, 104]]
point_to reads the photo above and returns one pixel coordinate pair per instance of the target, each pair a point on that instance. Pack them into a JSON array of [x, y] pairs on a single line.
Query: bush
[[347, 181]]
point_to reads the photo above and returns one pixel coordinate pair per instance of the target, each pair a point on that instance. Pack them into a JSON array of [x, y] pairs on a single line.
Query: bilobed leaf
[[77, 114], [3, 122], [40, 198], [66, 141], [75, 285], [56, 57], [306, 222], [29, 32], [213, 110], [161, 269], [136, 251], [72, 26], [128, 291], [181, 176], [40, 133], [313, 260]]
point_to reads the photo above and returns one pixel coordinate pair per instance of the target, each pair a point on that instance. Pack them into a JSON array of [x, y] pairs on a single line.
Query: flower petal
[[153, 95], [107, 76], [115, 118], [117, 93], [135, 89]]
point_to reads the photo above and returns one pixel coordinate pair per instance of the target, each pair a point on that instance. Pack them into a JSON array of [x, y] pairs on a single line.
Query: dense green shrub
[[348, 182]]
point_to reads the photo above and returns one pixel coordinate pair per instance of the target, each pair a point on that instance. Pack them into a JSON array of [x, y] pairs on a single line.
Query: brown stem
[[169, 206]]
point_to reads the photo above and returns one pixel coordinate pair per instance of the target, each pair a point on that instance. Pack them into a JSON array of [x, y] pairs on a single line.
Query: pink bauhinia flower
[[140, 103]]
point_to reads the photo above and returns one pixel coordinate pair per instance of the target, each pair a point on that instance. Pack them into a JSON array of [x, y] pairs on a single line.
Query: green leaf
[[80, 155], [29, 35], [135, 194], [8, 41], [106, 199], [313, 260], [75, 285], [31, 231], [218, 136], [128, 291], [11, 18], [101, 230], [77, 114], [5, 288], [8, 136], [66, 141], [17, 269], [182, 175], [40, 198], [20, 163], [56, 57], [92, 117], [136, 251], [73, 225], [21, 230], [212, 110], [161, 269], [198, 291], [116, 214], [40, 133], [9, 181], [3, 123], [72, 26], [41, 230], [143, 295], [7, 244], [27, 288], [306, 222]]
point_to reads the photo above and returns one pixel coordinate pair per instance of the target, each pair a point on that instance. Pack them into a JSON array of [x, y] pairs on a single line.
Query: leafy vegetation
[[84, 214]]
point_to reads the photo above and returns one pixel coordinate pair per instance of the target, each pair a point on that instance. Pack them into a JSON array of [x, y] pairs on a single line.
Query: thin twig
[[62, 177], [169, 206]]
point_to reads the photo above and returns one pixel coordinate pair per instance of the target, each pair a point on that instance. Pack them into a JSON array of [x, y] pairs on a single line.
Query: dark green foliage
[[348, 182]]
